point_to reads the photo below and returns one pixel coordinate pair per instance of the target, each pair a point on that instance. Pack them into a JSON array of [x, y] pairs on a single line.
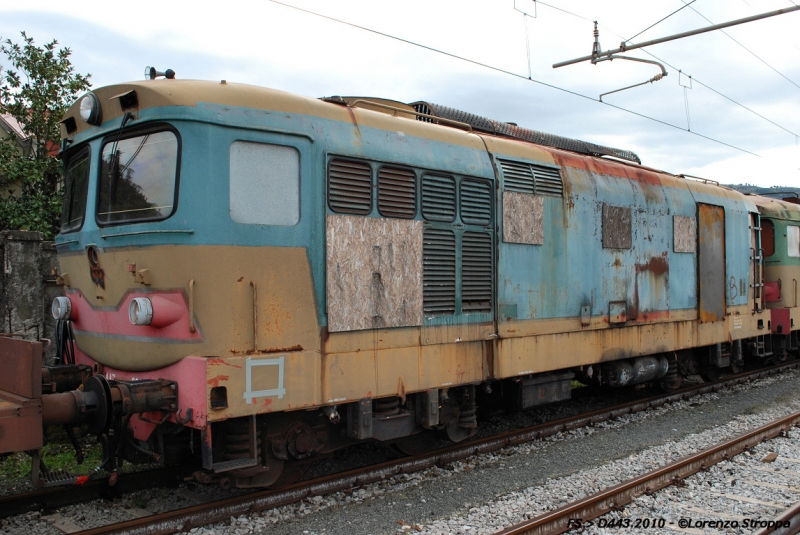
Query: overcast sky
[[756, 65]]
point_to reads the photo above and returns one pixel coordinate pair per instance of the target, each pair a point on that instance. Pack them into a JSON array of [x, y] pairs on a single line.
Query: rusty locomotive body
[[260, 277]]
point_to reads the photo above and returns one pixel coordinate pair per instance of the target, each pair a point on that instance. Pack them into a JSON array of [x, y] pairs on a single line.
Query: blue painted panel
[[573, 269], [207, 132]]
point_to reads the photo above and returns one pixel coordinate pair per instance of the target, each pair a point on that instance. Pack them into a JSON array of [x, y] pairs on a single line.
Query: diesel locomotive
[[257, 278]]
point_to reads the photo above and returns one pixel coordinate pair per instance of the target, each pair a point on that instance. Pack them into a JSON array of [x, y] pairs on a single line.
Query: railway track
[[53, 498], [591, 511], [200, 515]]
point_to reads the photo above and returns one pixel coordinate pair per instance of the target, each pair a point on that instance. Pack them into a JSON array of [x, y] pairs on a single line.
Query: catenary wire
[[510, 73], [659, 22], [750, 51], [676, 68]]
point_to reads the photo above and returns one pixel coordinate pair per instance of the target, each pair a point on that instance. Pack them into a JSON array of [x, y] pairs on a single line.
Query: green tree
[[36, 91]]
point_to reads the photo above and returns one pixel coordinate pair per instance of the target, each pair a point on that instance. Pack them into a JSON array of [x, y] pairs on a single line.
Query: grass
[[58, 454]]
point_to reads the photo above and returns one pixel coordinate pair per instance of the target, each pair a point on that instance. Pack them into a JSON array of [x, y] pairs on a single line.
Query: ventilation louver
[[476, 272], [476, 202], [397, 193], [438, 198], [349, 187], [438, 272], [530, 178]]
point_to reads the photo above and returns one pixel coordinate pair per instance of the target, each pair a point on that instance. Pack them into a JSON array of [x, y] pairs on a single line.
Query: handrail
[[699, 178], [459, 124]]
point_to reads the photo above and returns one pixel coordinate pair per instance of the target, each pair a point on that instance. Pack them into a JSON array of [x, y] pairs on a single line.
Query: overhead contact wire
[[750, 51], [510, 73], [723, 95], [659, 22]]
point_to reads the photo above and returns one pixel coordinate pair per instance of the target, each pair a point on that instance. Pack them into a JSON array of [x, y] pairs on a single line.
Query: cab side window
[[767, 237]]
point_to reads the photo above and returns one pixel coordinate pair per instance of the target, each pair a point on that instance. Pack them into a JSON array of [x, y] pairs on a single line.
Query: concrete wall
[[28, 286]]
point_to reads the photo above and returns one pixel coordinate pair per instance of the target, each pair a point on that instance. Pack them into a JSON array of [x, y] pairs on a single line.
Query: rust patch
[[240, 279], [222, 362], [617, 262], [281, 349], [658, 265], [214, 381], [606, 167]]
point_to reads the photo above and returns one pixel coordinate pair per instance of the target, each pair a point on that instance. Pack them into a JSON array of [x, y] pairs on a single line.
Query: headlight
[[140, 311], [62, 308], [90, 109]]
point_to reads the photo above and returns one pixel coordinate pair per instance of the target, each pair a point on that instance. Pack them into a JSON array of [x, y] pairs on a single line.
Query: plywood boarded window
[[476, 272], [523, 218], [531, 178], [684, 234], [374, 272], [476, 202], [617, 232], [349, 186], [397, 192], [439, 198], [438, 272]]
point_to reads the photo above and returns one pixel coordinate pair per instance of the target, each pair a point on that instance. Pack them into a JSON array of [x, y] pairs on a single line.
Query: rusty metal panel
[[523, 218], [617, 312], [20, 423], [21, 362], [617, 230], [374, 273], [711, 263], [684, 234]]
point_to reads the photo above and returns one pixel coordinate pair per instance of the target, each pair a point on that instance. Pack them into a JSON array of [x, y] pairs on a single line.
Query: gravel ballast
[[486, 492]]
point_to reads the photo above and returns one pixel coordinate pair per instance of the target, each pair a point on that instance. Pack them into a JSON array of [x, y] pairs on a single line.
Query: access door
[[711, 262]]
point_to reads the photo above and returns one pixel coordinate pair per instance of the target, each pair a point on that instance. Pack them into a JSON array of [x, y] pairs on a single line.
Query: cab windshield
[[76, 180], [138, 178]]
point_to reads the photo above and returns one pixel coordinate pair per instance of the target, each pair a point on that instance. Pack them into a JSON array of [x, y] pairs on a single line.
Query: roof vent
[[513, 131]]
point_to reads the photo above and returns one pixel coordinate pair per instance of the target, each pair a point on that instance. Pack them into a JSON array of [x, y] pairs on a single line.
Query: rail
[[598, 504], [200, 515]]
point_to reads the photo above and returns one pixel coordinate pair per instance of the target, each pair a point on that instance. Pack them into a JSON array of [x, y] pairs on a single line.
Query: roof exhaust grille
[[509, 130]]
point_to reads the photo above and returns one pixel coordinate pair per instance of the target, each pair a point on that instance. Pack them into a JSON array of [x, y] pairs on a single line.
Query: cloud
[[267, 44]]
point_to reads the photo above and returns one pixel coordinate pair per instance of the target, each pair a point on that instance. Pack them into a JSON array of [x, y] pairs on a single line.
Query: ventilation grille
[[509, 130], [476, 272], [397, 192], [350, 187], [438, 272], [476, 202], [548, 181], [530, 178], [438, 198], [423, 108], [517, 176]]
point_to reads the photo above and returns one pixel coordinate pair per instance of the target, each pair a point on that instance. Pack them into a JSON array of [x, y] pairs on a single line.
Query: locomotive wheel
[[415, 444], [292, 472], [710, 375], [258, 476], [457, 433], [781, 356]]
